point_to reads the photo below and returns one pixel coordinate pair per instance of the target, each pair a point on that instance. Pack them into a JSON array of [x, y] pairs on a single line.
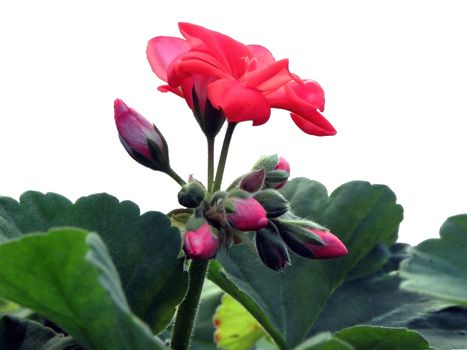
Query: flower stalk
[[186, 314], [223, 156]]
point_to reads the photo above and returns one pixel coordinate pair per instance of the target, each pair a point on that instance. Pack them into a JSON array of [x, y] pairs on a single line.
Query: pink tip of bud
[[135, 130], [282, 165], [200, 244], [120, 107], [249, 214], [333, 247]]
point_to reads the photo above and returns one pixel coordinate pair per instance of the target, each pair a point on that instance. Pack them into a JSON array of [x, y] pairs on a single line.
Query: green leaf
[[382, 338], [288, 303], [68, 276], [438, 267], [378, 300], [375, 300], [324, 341], [445, 329], [19, 334], [236, 329], [218, 275], [144, 248]]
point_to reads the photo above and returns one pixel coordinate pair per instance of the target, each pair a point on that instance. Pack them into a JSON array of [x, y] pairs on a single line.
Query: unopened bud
[[284, 166], [313, 243], [333, 247], [249, 215], [141, 139], [192, 194], [209, 118], [271, 249], [201, 244], [267, 163], [253, 181], [297, 238], [274, 178], [273, 202]]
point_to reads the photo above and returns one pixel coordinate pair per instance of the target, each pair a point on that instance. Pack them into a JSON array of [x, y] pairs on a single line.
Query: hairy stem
[[210, 162], [175, 176], [223, 156], [188, 309]]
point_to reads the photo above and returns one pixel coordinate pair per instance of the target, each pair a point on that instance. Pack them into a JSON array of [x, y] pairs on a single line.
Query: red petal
[[268, 78], [162, 50], [200, 85], [229, 52], [314, 124], [263, 55], [167, 88], [239, 103], [193, 62]]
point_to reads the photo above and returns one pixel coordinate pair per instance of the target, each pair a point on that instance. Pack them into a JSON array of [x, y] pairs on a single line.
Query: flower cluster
[[221, 78], [253, 204]]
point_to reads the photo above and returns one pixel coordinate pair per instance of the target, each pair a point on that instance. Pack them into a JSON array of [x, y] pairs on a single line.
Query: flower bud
[[253, 181], [141, 139], [273, 202], [267, 163], [333, 247], [271, 249], [249, 215], [284, 166], [209, 118], [200, 244], [309, 239], [277, 170], [192, 194]]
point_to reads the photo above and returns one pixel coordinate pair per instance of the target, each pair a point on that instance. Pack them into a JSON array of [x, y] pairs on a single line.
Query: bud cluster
[[252, 204]]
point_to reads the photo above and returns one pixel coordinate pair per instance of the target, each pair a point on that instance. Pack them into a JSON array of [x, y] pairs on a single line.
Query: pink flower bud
[[141, 139], [200, 244], [249, 214], [282, 165], [333, 247]]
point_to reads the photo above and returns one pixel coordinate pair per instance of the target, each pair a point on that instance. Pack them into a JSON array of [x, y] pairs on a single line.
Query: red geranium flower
[[242, 81]]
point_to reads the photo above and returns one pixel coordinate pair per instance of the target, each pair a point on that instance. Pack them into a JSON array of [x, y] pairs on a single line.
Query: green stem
[[223, 156], [175, 176], [187, 310], [210, 162]]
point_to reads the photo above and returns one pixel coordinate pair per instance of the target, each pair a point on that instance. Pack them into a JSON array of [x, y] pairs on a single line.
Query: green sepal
[[195, 223], [267, 163], [276, 177], [273, 202], [238, 193], [298, 232]]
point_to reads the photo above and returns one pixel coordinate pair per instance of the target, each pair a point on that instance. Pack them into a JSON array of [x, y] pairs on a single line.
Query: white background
[[394, 73]]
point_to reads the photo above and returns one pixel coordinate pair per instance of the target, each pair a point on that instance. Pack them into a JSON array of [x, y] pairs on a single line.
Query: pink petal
[[239, 103], [200, 85], [269, 77], [167, 88], [193, 62], [314, 124], [263, 55], [232, 54], [161, 51], [297, 96]]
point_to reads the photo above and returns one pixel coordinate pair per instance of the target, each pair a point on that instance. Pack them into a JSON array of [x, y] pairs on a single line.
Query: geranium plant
[[263, 262]]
